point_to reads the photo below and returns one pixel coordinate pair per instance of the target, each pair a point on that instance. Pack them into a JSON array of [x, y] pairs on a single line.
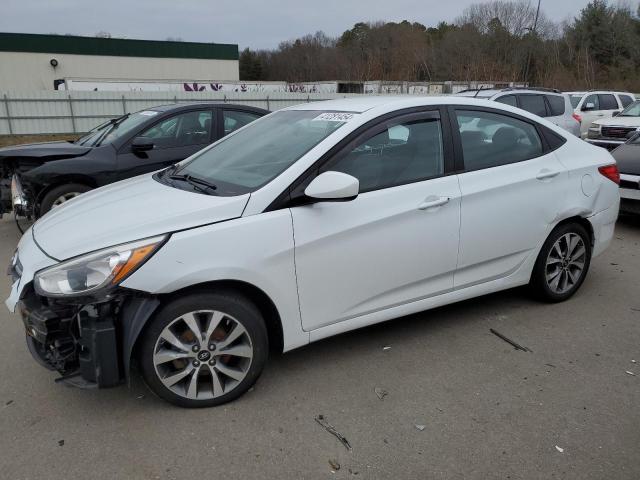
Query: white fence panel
[[23, 113]]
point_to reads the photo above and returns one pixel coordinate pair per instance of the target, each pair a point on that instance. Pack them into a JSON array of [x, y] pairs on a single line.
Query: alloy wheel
[[202, 354], [64, 198], [565, 263]]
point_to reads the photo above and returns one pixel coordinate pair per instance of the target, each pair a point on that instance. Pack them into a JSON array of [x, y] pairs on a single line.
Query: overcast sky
[[252, 23]]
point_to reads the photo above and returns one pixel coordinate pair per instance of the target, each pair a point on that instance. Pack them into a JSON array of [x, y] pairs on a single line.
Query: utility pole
[[533, 32]]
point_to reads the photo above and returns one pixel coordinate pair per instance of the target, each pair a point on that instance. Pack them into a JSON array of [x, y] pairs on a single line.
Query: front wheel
[[60, 195], [204, 349], [562, 263]]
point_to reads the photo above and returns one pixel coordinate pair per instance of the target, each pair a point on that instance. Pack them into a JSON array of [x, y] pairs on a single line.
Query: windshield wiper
[[197, 183], [112, 125]]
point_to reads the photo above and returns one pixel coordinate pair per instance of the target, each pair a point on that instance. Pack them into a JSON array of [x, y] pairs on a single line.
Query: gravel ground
[[567, 409]]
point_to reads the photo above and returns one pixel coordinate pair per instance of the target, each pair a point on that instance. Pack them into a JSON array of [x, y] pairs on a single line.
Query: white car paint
[[330, 267]]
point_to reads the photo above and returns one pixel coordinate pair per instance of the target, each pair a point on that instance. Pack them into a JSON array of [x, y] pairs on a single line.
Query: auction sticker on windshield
[[334, 117]]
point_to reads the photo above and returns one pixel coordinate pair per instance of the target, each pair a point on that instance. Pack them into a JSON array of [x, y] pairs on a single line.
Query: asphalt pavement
[[460, 402]]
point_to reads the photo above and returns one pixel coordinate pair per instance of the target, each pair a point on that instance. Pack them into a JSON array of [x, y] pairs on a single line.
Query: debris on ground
[[635, 309], [381, 392], [386, 348], [630, 373], [632, 361], [140, 397], [550, 365], [9, 402], [61, 442], [335, 466], [330, 428], [559, 449], [515, 345], [421, 427]]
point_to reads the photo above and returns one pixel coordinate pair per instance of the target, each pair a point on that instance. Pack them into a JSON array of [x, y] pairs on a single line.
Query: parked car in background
[[549, 104], [597, 104], [312, 221], [611, 132], [46, 175], [628, 158]]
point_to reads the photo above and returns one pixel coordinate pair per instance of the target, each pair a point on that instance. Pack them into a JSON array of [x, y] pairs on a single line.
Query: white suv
[[547, 103], [591, 106]]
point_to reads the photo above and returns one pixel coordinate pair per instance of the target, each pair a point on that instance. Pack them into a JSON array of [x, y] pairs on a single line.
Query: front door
[[174, 138], [397, 242]]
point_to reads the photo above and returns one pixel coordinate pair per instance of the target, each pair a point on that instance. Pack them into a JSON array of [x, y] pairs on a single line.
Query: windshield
[[575, 99], [632, 110], [109, 131], [261, 151]]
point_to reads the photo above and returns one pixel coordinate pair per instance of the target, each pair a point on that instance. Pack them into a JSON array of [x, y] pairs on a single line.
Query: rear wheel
[[60, 195], [562, 264], [204, 349]]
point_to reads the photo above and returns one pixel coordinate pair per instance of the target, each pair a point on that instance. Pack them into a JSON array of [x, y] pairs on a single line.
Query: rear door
[[232, 119], [512, 187], [397, 242], [174, 138]]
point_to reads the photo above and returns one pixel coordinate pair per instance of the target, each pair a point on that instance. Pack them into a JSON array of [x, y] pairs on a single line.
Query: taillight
[[577, 117], [611, 172]]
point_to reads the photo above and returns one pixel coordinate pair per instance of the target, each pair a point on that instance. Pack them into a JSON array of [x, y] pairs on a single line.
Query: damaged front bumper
[[89, 344]]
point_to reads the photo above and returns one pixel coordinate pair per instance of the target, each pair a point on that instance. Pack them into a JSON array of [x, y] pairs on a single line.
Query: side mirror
[[333, 187], [141, 144], [588, 106]]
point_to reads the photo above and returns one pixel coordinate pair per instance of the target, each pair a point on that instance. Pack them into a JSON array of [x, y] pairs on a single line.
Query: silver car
[[550, 104]]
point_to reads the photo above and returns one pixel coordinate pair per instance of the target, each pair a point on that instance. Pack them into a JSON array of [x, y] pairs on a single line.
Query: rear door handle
[[433, 201], [545, 174]]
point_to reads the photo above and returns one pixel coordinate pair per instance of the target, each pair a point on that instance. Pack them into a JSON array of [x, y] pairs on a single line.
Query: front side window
[[607, 102], [397, 153], [190, 128], [632, 110], [557, 104], [249, 159], [117, 128], [234, 119], [534, 104], [591, 103], [491, 139]]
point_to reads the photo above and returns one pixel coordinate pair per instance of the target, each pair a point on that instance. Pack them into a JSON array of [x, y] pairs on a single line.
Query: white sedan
[[312, 221]]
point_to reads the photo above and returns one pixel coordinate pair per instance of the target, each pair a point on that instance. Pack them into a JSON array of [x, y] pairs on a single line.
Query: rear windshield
[[259, 152], [575, 100]]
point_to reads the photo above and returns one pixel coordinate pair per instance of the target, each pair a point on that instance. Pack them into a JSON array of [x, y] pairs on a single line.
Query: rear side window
[[534, 104], [491, 139], [557, 104], [607, 102], [626, 100], [508, 100]]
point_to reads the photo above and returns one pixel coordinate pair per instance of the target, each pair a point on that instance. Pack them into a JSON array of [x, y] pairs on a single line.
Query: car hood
[[125, 211], [628, 158], [46, 149], [619, 122]]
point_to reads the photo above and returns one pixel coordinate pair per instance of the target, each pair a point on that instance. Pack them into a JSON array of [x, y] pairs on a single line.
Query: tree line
[[495, 41]]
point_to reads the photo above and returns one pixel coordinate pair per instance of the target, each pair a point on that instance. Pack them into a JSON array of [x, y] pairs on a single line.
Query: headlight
[[94, 271]]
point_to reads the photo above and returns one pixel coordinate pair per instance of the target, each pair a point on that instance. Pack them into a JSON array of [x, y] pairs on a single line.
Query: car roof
[[176, 107], [382, 103]]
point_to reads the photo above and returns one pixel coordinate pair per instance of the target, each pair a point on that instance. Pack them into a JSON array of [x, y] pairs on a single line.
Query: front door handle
[[433, 201], [546, 174]]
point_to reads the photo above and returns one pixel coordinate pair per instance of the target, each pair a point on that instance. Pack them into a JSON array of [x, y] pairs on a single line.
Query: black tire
[[538, 284], [55, 193], [232, 304]]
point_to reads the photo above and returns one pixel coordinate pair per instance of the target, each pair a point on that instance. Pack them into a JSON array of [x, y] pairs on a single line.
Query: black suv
[[44, 175]]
